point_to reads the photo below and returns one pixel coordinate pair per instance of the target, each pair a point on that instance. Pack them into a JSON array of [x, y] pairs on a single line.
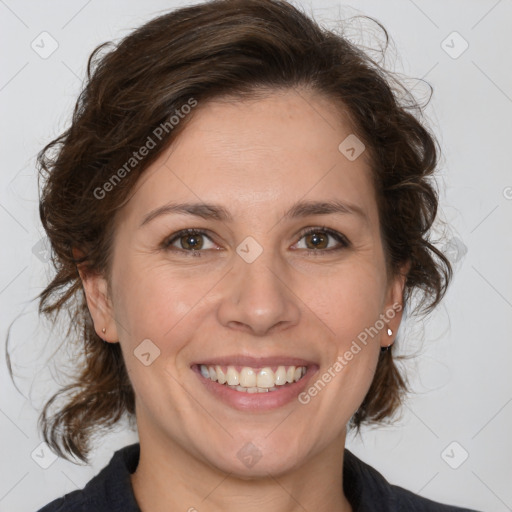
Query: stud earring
[[105, 330], [385, 349]]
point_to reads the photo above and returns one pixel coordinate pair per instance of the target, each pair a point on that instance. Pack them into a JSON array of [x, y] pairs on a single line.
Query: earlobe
[[384, 348], [99, 303], [394, 307]]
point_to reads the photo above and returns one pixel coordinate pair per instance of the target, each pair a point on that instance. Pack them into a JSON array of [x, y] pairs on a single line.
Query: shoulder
[[368, 490], [89, 498], [73, 502], [109, 491], [406, 501]]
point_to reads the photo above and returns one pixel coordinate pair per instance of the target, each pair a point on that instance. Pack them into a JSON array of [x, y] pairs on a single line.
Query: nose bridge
[[257, 260], [257, 295], [260, 275]]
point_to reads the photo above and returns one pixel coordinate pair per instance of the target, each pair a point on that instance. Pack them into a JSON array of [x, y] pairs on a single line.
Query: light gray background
[[462, 383]]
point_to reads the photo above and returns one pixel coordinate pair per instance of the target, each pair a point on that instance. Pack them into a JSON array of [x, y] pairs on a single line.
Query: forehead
[[265, 153]]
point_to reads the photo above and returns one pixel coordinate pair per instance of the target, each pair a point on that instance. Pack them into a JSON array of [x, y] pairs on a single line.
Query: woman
[[239, 214]]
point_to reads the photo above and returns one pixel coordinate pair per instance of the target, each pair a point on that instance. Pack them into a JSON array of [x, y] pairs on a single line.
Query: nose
[[258, 298]]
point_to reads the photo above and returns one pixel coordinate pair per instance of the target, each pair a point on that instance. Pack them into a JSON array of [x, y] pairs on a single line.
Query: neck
[[170, 478]]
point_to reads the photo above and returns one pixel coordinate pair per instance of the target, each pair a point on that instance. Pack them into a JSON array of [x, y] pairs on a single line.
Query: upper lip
[[254, 362]]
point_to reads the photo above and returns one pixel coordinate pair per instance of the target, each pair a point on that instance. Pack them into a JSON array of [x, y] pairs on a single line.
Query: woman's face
[[251, 291]]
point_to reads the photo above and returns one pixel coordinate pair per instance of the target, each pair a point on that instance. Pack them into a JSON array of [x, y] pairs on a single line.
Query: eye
[[189, 240], [319, 240], [316, 240]]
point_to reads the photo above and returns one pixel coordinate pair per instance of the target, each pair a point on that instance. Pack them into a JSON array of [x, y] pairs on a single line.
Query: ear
[[394, 306], [98, 301]]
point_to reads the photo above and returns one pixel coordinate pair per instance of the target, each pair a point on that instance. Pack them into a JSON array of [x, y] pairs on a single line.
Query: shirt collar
[[365, 488]]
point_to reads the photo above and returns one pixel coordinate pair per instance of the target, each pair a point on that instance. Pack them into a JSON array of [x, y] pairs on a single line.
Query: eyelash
[[341, 239]]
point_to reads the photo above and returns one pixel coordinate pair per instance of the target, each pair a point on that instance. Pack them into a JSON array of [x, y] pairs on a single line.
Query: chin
[[254, 460]]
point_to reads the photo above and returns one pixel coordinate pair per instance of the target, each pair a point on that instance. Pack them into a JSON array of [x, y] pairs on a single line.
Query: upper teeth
[[250, 378]]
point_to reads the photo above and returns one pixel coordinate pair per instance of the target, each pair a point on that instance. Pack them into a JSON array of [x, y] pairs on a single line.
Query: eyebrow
[[218, 212]]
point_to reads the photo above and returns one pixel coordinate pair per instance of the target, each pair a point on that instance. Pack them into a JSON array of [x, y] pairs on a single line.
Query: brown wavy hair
[[221, 48]]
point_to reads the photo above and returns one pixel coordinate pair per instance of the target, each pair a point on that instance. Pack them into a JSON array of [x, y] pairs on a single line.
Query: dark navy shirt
[[365, 488]]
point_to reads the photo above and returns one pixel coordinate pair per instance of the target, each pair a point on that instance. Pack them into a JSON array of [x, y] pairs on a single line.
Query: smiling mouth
[[253, 380]]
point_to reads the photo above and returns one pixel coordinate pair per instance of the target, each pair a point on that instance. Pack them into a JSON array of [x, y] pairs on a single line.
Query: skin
[[256, 158]]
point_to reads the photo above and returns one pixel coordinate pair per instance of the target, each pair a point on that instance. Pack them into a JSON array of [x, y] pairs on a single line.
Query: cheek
[[347, 301], [150, 300]]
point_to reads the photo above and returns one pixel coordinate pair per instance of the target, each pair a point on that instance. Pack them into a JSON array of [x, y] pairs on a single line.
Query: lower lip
[[256, 401]]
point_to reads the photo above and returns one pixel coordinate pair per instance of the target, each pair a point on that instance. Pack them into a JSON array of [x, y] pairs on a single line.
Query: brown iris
[[318, 240], [191, 241]]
